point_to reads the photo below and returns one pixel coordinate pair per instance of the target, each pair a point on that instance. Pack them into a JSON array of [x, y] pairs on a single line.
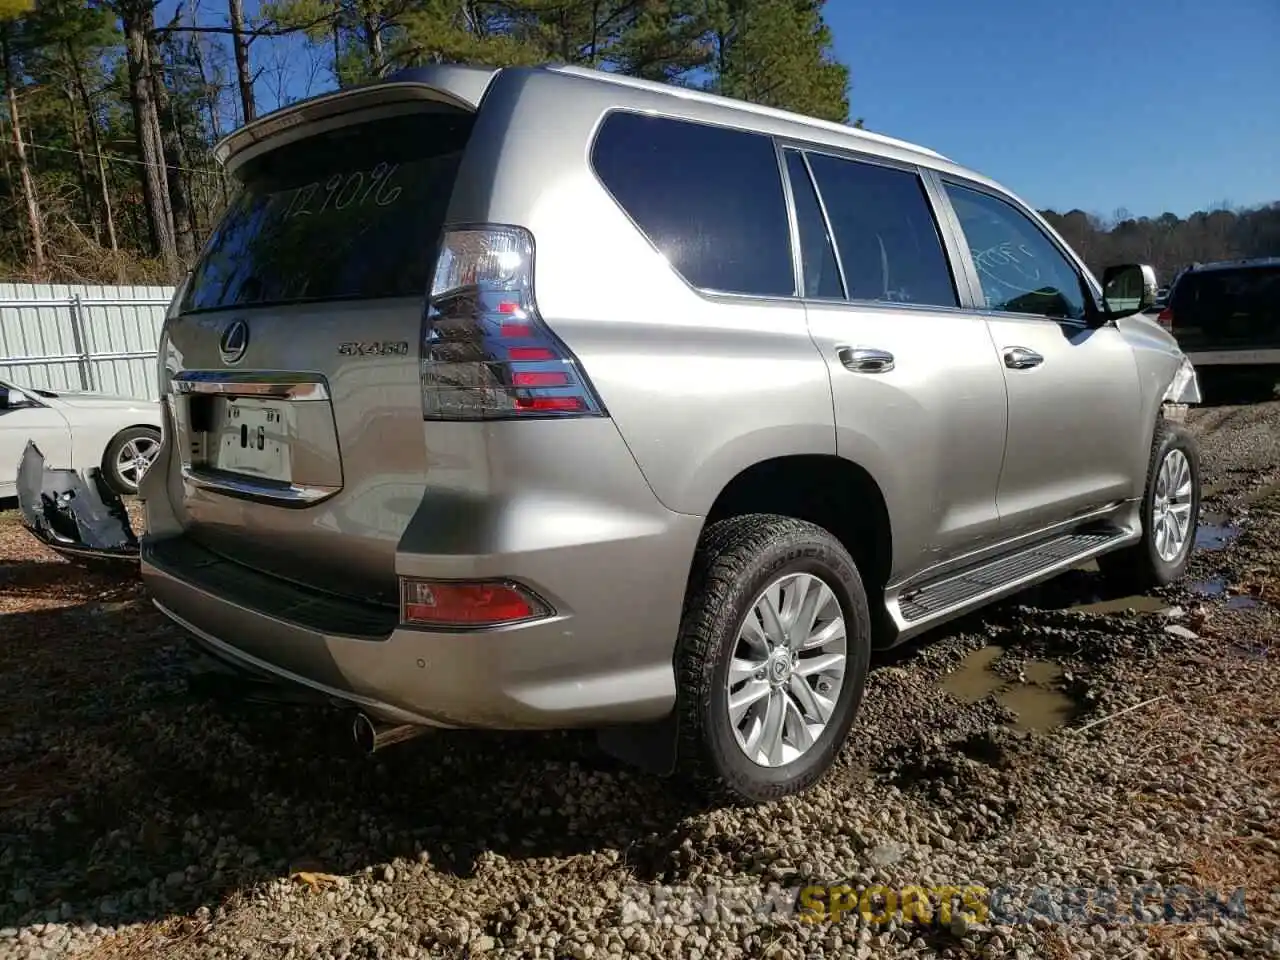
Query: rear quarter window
[[352, 213], [710, 199], [1207, 294]]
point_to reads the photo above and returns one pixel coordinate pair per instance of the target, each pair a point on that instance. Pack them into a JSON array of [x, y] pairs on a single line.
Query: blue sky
[[1152, 105], [1149, 105]]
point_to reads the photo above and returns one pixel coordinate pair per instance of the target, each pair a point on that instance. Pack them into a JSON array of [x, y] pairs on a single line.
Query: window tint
[[821, 275], [1224, 297], [354, 212], [888, 242], [1021, 269], [708, 198]]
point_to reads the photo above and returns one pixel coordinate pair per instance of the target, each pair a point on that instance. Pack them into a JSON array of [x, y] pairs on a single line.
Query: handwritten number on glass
[[1002, 265], [342, 191]]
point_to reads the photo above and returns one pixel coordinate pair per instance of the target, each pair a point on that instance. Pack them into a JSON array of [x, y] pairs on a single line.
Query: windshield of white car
[[18, 394]]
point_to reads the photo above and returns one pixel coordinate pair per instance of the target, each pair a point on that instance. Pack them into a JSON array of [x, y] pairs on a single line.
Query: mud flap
[[651, 747], [79, 517]]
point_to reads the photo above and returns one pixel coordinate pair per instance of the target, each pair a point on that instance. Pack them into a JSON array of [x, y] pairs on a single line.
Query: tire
[[1142, 567], [737, 561], [140, 439]]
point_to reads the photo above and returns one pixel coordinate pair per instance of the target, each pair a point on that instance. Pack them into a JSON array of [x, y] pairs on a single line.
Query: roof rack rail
[[702, 96]]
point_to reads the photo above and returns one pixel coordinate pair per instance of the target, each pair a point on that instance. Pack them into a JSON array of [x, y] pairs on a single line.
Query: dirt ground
[[1104, 770]]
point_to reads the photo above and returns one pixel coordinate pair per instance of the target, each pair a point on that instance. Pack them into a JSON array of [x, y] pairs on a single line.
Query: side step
[[957, 593]]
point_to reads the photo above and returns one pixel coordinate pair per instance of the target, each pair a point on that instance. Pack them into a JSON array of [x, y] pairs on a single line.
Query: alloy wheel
[[787, 669]]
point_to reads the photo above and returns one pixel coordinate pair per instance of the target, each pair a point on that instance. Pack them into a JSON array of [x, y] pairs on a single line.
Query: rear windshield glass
[[349, 213], [1207, 295]]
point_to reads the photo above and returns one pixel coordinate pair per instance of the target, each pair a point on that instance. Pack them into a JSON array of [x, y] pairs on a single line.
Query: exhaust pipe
[[371, 736]]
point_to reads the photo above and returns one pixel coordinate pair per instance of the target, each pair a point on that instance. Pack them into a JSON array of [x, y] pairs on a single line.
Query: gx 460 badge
[[374, 348]]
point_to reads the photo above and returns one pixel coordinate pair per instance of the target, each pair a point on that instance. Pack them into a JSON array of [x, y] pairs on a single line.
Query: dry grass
[[146, 940], [1056, 946], [74, 257], [1176, 942]]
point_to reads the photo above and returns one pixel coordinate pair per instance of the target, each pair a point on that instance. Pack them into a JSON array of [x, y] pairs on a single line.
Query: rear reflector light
[[452, 603], [540, 378], [1165, 318], [486, 353]]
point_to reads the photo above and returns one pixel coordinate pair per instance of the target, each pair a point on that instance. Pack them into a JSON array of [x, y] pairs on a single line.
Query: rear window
[[1202, 296], [709, 198], [347, 214]]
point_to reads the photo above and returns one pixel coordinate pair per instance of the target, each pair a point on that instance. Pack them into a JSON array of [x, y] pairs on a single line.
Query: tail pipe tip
[[371, 736]]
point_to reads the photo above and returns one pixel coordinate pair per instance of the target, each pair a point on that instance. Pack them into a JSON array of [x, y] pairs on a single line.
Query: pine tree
[[778, 53]]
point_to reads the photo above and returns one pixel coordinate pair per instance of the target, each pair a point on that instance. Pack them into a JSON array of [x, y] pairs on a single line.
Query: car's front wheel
[[1170, 515], [129, 456], [771, 659]]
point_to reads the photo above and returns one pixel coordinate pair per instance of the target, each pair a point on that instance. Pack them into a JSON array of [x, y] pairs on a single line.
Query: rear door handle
[[865, 359], [1020, 358]]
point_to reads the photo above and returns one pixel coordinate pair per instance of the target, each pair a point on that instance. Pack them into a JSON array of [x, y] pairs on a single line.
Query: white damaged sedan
[[75, 431]]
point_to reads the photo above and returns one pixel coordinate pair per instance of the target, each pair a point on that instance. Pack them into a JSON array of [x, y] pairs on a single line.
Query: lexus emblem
[[234, 342]]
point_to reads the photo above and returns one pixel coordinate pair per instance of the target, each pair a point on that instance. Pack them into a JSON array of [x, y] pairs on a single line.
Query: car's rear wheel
[[1170, 515], [771, 659], [129, 456]]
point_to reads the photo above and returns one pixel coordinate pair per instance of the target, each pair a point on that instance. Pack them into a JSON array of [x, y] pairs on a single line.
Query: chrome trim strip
[[249, 383], [793, 221], [293, 494], [826, 223]]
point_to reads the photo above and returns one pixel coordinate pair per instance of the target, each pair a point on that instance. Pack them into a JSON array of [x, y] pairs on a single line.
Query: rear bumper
[[604, 658]]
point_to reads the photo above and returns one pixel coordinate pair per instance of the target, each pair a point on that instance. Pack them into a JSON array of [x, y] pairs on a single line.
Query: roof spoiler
[[458, 87]]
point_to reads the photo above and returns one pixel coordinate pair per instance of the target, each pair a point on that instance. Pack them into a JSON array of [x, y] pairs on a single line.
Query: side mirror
[[1128, 289]]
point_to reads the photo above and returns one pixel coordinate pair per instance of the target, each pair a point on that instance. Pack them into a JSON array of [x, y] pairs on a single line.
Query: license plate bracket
[[253, 437]]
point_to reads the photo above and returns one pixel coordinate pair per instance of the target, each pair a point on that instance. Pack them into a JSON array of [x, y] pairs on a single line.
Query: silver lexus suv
[[547, 398]]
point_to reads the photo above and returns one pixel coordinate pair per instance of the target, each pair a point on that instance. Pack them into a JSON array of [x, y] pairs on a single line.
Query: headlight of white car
[[1185, 386]]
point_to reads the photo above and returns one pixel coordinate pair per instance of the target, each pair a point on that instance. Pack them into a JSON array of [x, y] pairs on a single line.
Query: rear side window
[[352, 213], [1221, 296], [710, 199], [889, 244]]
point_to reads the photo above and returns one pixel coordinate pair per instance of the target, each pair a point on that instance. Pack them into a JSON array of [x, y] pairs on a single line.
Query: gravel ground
[[136, 820]]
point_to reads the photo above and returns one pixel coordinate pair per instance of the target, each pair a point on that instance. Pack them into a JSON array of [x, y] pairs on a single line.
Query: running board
[[918, 607]]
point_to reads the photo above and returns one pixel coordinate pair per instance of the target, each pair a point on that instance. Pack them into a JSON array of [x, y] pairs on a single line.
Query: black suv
[[1226, 317]]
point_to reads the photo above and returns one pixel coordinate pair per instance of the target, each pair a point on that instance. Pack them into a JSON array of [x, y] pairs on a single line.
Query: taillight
[[1165, 318], [458, 604], [486, 354]]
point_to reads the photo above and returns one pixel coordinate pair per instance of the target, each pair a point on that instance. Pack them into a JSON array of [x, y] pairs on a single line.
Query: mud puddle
[[1083, 590], [1137, 604], [1034, 697], [1213, 587], [1262, 493], [1215, 532]]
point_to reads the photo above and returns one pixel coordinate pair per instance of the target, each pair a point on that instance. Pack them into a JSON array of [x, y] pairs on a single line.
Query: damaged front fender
[[77, 516], [1183, 391], [1184, 388]]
